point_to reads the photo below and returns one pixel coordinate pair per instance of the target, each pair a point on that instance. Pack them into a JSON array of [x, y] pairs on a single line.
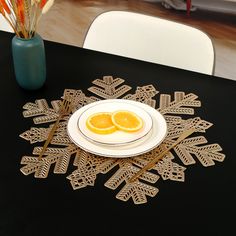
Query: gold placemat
[[62, 152]]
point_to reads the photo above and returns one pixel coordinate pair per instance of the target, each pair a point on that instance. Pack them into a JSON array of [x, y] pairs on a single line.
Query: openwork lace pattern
[[178, 110]]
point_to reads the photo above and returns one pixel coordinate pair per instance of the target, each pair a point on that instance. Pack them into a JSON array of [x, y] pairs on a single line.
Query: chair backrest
[[4, 25], [151, 39]]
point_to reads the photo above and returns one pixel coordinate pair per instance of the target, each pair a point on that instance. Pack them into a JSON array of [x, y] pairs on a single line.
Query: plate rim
[[118, 143], [119, 156]]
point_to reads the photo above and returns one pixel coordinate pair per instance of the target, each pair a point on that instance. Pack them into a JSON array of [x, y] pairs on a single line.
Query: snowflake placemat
[[62, 152]]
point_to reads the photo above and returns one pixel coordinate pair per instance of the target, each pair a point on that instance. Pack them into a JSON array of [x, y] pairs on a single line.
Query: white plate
[[118, 137], [152, 140]]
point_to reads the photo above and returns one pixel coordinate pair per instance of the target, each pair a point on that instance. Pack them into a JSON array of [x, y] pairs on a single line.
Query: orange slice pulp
[[126, 121], [100, 123]]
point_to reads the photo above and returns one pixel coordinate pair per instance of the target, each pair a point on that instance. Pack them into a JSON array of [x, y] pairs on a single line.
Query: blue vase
[[29, 62]]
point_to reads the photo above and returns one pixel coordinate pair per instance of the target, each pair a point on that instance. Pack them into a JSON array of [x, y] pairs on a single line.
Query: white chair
[[4, 25], [151, 39]]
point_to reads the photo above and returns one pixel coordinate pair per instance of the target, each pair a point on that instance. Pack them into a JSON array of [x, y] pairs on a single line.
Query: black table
[[202, 205]]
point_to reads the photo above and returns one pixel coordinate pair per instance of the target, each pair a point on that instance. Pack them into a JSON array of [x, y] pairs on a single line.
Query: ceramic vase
[[29, 62]]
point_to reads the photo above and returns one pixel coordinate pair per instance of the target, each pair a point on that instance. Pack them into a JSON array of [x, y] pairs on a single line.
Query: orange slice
[[100, 123], [127, 121]]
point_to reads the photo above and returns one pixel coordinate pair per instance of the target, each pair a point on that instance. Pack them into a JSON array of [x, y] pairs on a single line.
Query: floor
[[68, 21]]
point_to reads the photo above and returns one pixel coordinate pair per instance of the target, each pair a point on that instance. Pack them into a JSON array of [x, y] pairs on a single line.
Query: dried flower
[[23, 15]]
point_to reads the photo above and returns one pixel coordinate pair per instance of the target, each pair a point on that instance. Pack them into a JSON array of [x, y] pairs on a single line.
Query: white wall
[[4, 25]]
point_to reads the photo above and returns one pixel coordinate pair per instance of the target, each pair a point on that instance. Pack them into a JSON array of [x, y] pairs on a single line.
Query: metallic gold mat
[[62, 152]]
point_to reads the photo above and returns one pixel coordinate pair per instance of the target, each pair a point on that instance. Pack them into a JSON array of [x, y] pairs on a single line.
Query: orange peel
[[126, 121], [100, 123]]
